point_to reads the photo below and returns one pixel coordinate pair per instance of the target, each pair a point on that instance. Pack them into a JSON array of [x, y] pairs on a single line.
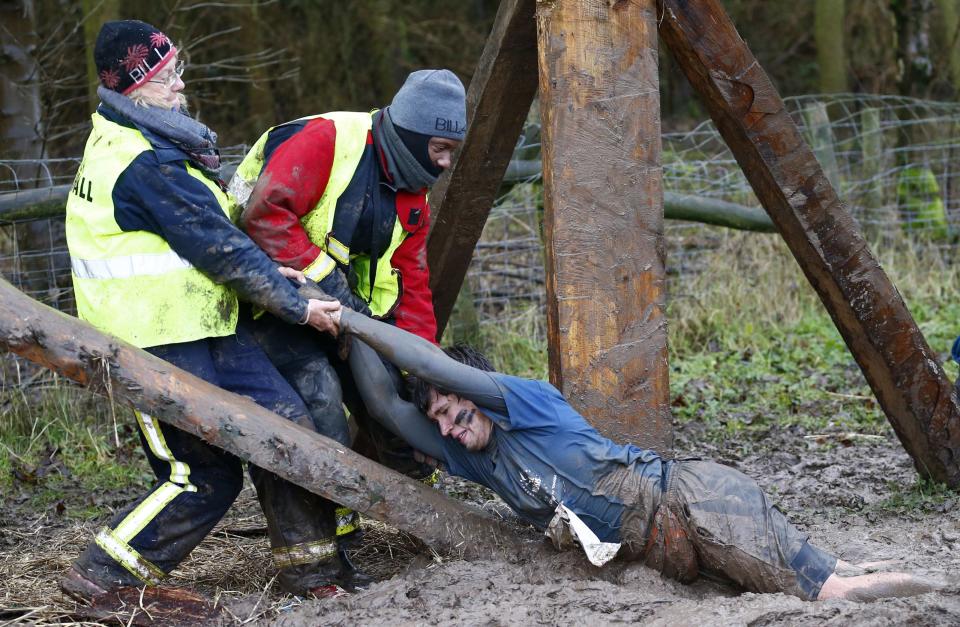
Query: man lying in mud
[[521, 439]]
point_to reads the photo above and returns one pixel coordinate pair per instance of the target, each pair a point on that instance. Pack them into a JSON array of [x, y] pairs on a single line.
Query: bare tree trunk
[[880, 220], [603, 198], [260, 99], [831, 54], [95, 13], [236, 424], [820, 136], [22, 139], [20, 88], [913, 45]]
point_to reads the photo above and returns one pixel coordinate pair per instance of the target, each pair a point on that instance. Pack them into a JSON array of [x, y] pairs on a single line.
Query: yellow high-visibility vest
[[132, 284], [351, 141]]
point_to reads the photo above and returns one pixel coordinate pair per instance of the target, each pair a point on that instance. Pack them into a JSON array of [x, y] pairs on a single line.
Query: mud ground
[[851, 494]]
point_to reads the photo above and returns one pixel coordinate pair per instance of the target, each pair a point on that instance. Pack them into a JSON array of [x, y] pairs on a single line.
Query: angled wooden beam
[[498, 101], [903, 372], [603, 220], [234, 423]]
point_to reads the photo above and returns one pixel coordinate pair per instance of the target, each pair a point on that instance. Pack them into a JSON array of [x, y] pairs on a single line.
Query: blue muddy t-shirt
[[543, 452]]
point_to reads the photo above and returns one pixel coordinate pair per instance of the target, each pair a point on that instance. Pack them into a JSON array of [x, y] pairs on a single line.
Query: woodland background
[[759, 376], [254, 63]]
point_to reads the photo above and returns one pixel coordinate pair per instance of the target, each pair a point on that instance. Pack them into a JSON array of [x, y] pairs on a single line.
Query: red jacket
[[290, 186]]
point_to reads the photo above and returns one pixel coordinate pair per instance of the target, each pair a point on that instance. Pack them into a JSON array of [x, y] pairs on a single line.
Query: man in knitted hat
[[342, 197]]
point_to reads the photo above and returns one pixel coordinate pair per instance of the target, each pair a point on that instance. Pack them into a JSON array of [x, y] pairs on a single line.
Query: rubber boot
[[352, 579], [79, 588]]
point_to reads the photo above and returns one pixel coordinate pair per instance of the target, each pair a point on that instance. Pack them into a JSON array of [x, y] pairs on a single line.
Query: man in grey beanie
[[342, 197]]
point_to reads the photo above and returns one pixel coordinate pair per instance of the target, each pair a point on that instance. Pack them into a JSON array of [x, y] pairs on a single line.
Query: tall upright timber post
[[600, 104]]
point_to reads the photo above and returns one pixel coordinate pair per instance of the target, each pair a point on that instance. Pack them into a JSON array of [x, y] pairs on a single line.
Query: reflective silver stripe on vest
[[240, 188], [129, 266], [337, 250], [320, 268]]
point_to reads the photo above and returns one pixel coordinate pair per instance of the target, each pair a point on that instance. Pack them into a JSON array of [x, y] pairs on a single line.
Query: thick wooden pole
[[600, 105], [236, 424], [498, 100], [903, 372]]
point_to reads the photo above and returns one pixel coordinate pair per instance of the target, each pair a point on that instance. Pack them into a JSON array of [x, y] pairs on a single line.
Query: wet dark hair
[[419, 389]]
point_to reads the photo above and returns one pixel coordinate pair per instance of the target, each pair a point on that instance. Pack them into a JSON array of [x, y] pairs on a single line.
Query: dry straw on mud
[[232, 563]]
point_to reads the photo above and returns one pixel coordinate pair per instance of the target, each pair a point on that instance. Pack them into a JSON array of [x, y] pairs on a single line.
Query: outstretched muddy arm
[[381, 400], [424, 360]]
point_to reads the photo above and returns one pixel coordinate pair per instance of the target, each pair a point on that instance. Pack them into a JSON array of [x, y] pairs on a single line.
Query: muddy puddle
[[839, 488], [852, 494]]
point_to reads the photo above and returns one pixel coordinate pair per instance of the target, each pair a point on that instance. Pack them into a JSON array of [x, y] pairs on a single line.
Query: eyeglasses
[[171, 78]]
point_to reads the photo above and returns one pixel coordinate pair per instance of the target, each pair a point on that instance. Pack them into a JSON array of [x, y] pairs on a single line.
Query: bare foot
[[875, 586]]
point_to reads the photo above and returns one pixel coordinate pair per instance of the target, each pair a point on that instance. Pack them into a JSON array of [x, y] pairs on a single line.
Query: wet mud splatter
[[847, 496], [853, 496]]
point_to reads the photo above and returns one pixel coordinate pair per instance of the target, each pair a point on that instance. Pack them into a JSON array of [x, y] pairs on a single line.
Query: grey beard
[[403, 167]]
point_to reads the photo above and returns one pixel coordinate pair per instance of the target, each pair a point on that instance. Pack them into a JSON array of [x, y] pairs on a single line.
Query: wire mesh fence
[[894, 160]]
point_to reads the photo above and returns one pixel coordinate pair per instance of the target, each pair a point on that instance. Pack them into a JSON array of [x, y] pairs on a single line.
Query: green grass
[[921, 496], [59, 443], [751, 348], [517, 346]]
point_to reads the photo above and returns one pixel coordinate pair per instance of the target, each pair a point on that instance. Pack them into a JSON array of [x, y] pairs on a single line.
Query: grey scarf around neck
[[403, 167], [191, 136]]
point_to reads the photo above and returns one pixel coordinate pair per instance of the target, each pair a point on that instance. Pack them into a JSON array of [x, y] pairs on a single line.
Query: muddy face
[[460, 419]]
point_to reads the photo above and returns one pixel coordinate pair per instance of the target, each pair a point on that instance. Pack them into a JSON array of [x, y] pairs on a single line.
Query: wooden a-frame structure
[[597, 67], [603, 201]]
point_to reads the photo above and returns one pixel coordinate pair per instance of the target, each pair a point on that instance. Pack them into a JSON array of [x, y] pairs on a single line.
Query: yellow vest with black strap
[[132, 284], [351, 141]]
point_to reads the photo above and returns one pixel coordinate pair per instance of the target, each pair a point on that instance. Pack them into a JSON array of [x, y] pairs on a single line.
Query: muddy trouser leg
[[391, 451], [304, 526], [738, 533], [196, 483]]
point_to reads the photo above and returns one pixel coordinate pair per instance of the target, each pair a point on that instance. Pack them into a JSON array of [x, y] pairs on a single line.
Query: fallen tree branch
[[236, 424]]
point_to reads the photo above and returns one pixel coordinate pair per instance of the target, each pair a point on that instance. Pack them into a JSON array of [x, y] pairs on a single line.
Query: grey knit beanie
[[431, 102]]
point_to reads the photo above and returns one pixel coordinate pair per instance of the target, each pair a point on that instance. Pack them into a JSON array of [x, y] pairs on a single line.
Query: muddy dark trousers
[[309, 362], [715, 520], [303, 357], [196, 482], [388, 449]]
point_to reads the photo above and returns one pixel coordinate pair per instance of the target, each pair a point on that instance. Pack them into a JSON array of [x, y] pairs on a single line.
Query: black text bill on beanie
[[129, 52], [432, 103]]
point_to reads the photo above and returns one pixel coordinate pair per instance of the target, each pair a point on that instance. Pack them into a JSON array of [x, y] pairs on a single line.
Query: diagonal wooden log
[[603, 215], [903, 372], [498, 100], [109, 366]]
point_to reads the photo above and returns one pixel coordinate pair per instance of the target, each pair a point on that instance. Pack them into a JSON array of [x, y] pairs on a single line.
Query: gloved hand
[[335, 284]]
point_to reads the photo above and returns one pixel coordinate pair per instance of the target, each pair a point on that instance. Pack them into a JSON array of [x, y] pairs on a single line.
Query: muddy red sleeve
[[290, 186], [414, 312]]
